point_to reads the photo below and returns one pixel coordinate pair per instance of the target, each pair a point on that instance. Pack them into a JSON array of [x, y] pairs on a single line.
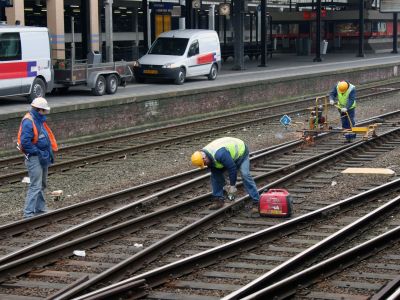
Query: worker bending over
[[229, 154], [345, 93]]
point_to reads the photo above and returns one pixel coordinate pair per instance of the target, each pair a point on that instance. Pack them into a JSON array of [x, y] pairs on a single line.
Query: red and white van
[[180, 54], [25, 61]]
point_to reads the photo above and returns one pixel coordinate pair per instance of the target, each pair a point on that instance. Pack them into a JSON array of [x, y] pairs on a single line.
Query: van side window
[[194, 48], [10, 46]]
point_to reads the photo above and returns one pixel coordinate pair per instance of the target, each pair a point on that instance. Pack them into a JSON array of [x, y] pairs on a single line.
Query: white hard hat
[[40, 103]]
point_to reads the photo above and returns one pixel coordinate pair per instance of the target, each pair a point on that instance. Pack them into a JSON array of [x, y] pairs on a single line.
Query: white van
[[25, 62], [180, 54]]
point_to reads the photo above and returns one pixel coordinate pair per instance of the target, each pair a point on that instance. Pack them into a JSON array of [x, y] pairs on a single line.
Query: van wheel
[[112, 84], [180, 78], [38, 89], [213, 72], [100, 87]]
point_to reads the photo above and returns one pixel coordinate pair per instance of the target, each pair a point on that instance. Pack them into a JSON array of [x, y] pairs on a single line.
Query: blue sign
[[285, 120]]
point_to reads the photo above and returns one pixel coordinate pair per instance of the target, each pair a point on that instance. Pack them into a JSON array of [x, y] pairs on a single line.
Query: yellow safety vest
[[342, 98], [236, 148]]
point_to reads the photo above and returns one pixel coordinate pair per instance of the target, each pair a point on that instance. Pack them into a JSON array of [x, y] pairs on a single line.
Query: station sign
[[162, 7], [285, 120], [389, 6]]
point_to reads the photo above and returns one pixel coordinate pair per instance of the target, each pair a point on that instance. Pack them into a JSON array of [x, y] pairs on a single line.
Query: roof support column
[[263, 33], [238, 23], [395, 24], [182, 18], [361, 29], [55, 23], [109, 30], [318, 34], [211, 17], [145, 10], [189, 14], [16, 13], [94, 25]]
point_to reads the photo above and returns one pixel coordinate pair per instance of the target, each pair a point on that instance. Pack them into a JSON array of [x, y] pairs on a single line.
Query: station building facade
[[136, 23]]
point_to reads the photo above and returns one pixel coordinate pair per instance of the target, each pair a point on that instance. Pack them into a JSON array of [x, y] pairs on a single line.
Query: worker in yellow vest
[[345, 94], [37, 142], [232, 155]]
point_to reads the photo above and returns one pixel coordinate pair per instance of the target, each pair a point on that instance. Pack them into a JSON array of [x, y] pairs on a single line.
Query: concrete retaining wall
[[79, 120]]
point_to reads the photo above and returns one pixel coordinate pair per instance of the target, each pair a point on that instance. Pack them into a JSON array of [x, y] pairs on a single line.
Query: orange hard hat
[[343, 86], [197, 159]]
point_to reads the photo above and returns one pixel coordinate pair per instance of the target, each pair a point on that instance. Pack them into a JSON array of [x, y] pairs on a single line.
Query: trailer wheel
[[100, 87], [181, 76], [112, 84], [38, 89], [213, 72]]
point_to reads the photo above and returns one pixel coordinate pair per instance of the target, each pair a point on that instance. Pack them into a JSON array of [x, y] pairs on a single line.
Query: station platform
[[279, 66], [285, 76]]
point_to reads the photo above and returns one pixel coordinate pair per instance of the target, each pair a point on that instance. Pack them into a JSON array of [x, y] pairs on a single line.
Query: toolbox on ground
[[276, 203]]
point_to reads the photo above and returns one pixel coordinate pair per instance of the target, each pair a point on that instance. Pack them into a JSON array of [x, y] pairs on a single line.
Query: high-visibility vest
[[35, 139], [342, 98], [236, 148]]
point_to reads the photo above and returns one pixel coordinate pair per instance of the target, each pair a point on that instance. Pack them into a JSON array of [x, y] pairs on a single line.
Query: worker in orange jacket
[[37, 142]]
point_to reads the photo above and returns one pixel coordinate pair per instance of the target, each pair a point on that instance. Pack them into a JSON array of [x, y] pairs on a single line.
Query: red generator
[[276, 203]]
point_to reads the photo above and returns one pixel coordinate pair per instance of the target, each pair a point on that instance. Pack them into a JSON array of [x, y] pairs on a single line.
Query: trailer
[[26, 69], [101, 78]]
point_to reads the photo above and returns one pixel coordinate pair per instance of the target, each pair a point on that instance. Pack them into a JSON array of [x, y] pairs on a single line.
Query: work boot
[[254, 208], [217, 204]]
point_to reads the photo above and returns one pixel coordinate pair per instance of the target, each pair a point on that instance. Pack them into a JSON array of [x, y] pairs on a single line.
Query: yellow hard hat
[[343, 86], [197, 159]]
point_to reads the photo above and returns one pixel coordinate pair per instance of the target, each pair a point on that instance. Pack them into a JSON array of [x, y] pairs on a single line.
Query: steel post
[[263, 34], [361, 29], [318, 34], [395, 24]]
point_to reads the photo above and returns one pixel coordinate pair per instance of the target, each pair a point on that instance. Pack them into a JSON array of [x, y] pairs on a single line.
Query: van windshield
[[169, 46]]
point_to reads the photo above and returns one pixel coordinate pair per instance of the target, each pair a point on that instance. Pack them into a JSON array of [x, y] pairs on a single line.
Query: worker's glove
[[331, 101], [232, 192], [343, 110]]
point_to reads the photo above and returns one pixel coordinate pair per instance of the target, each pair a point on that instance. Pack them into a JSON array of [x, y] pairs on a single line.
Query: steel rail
[[107, 218], [287, 287], [99, 222], [148, 254], [62, 166], [124, 212], [160, 275], [17, 158], [289, 266], [350, 146], [17, 263], [392, 289]]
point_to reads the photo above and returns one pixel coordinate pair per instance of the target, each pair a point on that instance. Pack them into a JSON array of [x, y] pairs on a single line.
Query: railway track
[[248, 263], [19, 238], [193, 219], [368, 270], [184, 135]]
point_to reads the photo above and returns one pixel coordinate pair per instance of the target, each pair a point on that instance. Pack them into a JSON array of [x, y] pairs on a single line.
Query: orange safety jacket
[[53, 141]]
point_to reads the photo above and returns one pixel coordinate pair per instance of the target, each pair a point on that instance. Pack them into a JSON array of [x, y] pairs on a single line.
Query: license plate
[[150, 71]]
